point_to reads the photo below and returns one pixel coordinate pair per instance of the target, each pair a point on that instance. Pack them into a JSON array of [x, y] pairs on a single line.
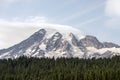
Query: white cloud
[[36, 19], [90, 21], [113, 8], [26, 21], [9, 2], [84, 12], [16, 30]]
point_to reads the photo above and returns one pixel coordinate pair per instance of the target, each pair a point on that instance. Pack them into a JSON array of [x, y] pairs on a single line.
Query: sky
[[100, 18]]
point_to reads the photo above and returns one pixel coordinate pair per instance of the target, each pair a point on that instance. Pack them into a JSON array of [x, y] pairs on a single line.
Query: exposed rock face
[[110, 45], [74, 40], [90, 41], [54, 41], [57, 45], [107, 54]]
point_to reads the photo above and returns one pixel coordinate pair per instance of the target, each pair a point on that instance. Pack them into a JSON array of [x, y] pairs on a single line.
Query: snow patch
[[103, 50]]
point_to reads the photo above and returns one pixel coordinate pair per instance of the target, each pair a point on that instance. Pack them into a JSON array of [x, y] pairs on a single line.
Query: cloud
[[18, 30], [90, 21], [36, 19], [9, 2], [81, 13], [113, 8], [26, 21], [112, 11]]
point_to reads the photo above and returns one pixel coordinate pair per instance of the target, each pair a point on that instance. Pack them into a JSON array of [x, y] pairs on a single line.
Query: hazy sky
[[100, 18]]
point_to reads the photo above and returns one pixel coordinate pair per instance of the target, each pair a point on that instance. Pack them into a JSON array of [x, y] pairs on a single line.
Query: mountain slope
[[48, 42]]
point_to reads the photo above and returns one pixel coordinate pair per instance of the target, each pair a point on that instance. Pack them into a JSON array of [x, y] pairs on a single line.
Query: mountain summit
[[55, 43]]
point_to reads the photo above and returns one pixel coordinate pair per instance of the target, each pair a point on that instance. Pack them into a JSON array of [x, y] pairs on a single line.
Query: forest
[[24, 68]]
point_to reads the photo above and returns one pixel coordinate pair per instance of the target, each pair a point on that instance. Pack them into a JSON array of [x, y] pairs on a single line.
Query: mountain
[[65, 42]]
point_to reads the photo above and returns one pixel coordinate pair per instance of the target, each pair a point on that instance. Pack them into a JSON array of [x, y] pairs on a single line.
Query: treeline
[[24, 68]]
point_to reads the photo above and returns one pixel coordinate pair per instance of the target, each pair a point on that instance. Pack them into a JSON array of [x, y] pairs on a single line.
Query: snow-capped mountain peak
[[62, 29], [57, 43]]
